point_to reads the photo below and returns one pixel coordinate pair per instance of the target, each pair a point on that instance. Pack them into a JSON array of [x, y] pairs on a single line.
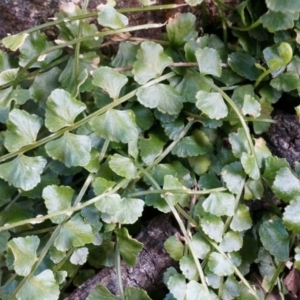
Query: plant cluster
[[88, 141]]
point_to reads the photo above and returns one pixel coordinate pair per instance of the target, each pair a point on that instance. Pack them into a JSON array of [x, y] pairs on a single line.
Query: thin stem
[[251, 27], [118, 269]]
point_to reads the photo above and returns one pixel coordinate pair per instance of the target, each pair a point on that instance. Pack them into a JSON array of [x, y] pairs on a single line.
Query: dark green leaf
[[275, 238], [286, 82], [286, 6], [134, 293], [174, 247], [187, 147], [123, 166], [129, 248], [101, 292]]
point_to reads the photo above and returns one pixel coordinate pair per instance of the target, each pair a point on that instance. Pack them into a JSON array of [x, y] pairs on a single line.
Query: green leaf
[[42, 286], [177, 286], [134, 293], [71, 149], [125, 210], [151, 62], [181, 28], [171, 182], [251, 106], [213, 226], [79, 256], [275, 238], [286, 82], [274, 164], [101, 292], [57, 198], [254, 189], [161, 96], [109, 17], [291, 216], [286, 6], [250, 165], [101, 185], [44, 84], [286, 185], [276, 21], [209, 61], [4, 236], [116, 125], [195, 291], [241, 220], [174, 247], [8, 76], [230, 289], [188, 268], [232, 241], [150, 147], [74, 233], [193, 2], [200, 245], [129, 248], [234, 177], [220, 265], [62, 109], [109, 80], [14, 42], [211, 104], [23, 171], [24, 252], [123, 166], [22, 129], [219, 204], [244, 64], [187, 147]]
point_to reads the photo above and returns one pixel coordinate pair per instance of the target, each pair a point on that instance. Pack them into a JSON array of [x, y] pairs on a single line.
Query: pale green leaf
[[22, 129], [196, 291], [101, 185], [239, 143], [116, 125], [134, 293], [188, 268], [187, 147], [200, 245], [79, 256], [193, 2], [71, 149], [286, 82], [241, 220], [161, 96], [254, 189], [57, 198], [234, 177], [174, 247], [8, 76], [62, 109], [23, 171], [211, 104], [291, 216], [213, 226], [219, 204], [74, 233], [109, 80], [109, 17], [251, 106], [244, 64], [232, 241], [275, 238], [177, 286], [123, 166], [42, 286], [209, 61], [286, 6], [250, 165], [273, 164], [101, 292], [109, 204], [220, 265], [230, 289], [24, 252], [151, 62], [150, 147], [13, 42], [275, 21], [181, 28], [129, 248], [286, 185]]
